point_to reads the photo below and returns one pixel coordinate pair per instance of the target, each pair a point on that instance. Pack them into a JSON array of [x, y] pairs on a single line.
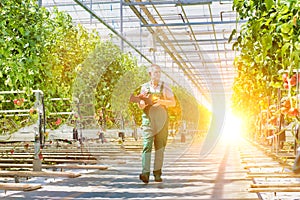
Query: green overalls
[[159, 135]]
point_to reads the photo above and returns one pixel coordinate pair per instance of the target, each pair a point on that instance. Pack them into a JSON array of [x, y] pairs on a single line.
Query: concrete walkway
[[186, 176]]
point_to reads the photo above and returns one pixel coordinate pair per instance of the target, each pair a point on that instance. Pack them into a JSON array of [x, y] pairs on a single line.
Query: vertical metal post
[[80, 119], [297, 106], [121, 25], [141, 40], [91, 8], [43, 138], [104, 118], [278, 123], [154, 46], [40, 3], [37, 163]]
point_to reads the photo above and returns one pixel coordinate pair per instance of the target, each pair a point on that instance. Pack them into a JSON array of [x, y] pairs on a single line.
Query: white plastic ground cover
[[38, 180], [277, 195]]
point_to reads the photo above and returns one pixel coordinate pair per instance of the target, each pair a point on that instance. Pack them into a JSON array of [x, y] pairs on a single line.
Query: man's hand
[[145, 100], [142, 104], [143, 95], [157, 102]]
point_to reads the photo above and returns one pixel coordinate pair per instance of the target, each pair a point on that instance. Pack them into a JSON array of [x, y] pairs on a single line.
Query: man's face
[[155, 74]]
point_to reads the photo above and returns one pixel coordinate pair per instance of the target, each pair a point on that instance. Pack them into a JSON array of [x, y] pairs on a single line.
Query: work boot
[[145, 177], [157, 176]]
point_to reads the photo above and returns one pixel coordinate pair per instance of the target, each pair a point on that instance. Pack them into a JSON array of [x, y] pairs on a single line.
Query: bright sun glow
[[232, 128]]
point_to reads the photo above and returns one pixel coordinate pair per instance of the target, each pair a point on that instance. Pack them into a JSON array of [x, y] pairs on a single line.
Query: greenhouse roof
[[187, 38]]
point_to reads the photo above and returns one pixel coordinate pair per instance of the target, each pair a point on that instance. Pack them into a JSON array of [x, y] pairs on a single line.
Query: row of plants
[[268, 64], [42, 50]]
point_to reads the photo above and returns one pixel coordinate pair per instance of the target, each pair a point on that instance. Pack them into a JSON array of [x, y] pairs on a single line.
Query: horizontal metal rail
[[194, 23], [14, 111], [177, 3], [28, 110], [20, 92]]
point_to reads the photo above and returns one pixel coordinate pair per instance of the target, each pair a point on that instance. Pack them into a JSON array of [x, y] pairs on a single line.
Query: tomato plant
[[268, 42]]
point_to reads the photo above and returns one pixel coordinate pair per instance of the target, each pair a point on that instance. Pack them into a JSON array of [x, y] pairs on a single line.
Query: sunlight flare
[[232, 128]]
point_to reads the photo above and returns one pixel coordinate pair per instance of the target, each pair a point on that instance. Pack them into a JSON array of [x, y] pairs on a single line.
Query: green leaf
[[295, 58], [275, 84], [267, 41], [285, 37], [297, 46], [269, 4], [285, 28]]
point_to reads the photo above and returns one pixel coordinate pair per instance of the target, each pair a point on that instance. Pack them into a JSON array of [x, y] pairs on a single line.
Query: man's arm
[[142, 104], [169, 102], [169, 99]]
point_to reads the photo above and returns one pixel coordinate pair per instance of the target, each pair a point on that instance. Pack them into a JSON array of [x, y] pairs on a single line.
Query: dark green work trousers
[[159, 140]]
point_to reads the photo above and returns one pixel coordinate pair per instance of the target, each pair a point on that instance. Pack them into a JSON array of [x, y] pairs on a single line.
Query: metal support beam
[[175, 2], [194, 23], [111, 29], [74, 4], [206, 51], [204, 40], [168, 47], [209, 61]]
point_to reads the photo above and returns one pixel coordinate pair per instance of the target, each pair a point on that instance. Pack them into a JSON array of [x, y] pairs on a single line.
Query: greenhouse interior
[[95, 92]]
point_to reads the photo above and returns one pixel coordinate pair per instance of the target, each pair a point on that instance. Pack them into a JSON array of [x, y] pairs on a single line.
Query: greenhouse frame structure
[[190, 39]]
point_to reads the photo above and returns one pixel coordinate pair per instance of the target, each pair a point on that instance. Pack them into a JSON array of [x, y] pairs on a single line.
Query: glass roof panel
[[188, 38]]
